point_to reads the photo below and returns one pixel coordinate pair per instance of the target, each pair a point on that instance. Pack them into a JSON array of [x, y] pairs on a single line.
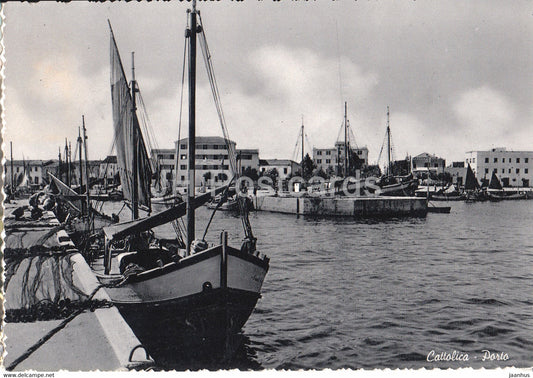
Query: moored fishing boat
[[178, 293], [389, 184]]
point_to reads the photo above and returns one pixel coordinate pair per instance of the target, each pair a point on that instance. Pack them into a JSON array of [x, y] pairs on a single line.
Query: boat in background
[[389, 184]]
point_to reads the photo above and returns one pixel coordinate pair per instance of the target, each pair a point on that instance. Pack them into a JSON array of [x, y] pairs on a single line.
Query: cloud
[[484, 113]]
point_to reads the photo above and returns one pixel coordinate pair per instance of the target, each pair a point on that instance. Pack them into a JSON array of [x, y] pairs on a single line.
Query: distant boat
[[439, 209], [472, 189], [389, 184]]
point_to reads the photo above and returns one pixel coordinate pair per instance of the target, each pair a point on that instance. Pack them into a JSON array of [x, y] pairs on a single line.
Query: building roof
[[33, 163], [500, 149], [163, 151], [248, 150], [207, 139], [426, 155], [110, 159], [277, 162]]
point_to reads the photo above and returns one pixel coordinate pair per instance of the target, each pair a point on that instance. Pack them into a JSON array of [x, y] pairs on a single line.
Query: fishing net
[[40, 285]]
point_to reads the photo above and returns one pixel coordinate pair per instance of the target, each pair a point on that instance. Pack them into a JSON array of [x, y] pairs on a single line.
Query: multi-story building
[[109, 169], [248, 159], [164, 162], [514, 168], [422, 162], [32, 169], [285, 167], [212, 161], [333, 158], [457, 171]]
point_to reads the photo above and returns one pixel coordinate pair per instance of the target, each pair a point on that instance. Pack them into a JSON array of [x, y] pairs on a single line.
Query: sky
[[457, 75]]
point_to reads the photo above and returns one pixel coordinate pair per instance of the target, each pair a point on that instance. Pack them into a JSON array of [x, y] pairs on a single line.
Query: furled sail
[[471, 181], [125, 121]]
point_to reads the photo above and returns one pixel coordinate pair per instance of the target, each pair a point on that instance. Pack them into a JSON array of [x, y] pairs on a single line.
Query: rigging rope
[[218, 104]]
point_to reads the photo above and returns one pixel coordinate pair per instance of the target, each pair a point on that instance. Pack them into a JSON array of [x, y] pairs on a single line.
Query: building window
[[17, 169], [183, 146], [509, 170], [527, 160], [183, 166], [328, 161], [518, 160], [285, 170], [495, 160], [486, 160], [526, 171], [328, 152], [183, 157], [473, 160], [171, 157], [319, 152], [182, 178], [215, 147], [503, 160], [318, 161], [486, 170], [517, 170]]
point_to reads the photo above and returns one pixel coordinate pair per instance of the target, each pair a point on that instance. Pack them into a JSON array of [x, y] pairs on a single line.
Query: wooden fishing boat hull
[[196, 303], [439, 209], [227, 206], [399, 189], [444, 197]]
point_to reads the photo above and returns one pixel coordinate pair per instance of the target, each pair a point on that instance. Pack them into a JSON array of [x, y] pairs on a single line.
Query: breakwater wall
[[358, 207]]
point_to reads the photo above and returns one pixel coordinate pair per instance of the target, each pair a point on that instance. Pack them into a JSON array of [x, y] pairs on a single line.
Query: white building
[[284, 167], [333, 158], [164, 162], [108, 169], [212, 161], [421, 163], [514, 168], [32, 168], [248, 158]]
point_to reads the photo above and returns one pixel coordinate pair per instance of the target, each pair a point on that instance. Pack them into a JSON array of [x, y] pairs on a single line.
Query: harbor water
[[395, 293]]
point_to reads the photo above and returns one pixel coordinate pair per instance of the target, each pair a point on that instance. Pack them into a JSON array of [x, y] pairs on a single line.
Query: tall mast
[[302, 145], [59, 164], [389, 167], [12, 182], [86, 168], [69, 163], [345, 141], [67, 154], [191, 33], [135, 194], [81, 167]]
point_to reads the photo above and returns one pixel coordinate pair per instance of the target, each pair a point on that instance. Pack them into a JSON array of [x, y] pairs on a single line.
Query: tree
[[307, 167], [371, 171], [355, 163], [330, 171], [320, 173], [251, 173], [207, 176], [273, 174]]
